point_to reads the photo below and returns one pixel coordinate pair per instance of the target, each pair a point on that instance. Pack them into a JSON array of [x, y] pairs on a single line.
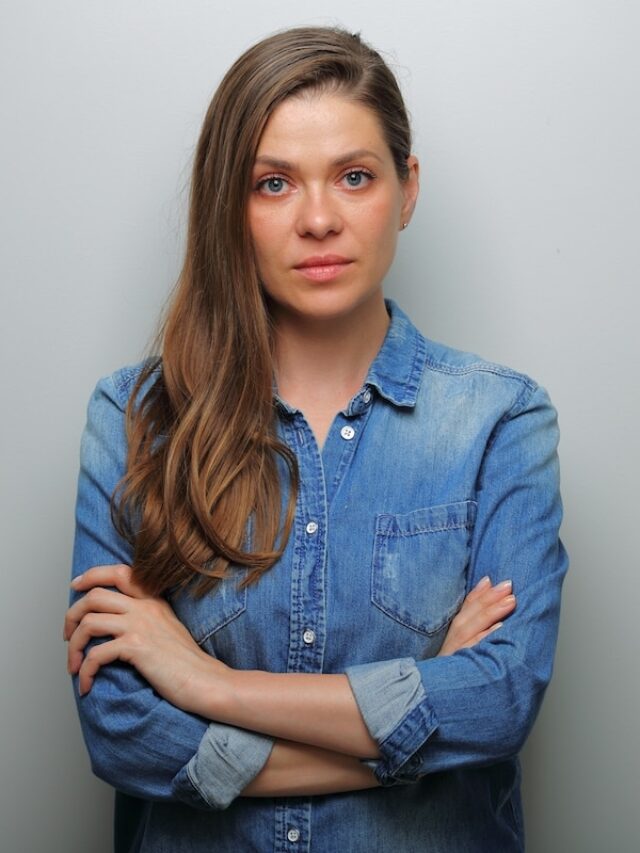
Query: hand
[[145, 633], [479, 615]]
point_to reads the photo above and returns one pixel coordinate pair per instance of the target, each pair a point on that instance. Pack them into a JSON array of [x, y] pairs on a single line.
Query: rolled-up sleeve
[[478, 705], [138, 742]]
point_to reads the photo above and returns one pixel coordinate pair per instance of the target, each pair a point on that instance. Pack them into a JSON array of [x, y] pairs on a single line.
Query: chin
[[334, 311], [327, 304]]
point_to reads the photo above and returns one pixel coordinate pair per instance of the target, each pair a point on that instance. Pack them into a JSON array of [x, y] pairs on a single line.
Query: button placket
[[339, 451], [293, 828], [307, 622]]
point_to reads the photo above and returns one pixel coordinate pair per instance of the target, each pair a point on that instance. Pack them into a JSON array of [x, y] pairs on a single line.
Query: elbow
[[108, 758], [510, 699], [137, 743], [114, 755], [121, 767], [509, 731], [510, 717], [493, 721], [105, 768], [485, 721]]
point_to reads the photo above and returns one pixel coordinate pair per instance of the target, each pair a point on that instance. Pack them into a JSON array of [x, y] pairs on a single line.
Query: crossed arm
[[320, 733]]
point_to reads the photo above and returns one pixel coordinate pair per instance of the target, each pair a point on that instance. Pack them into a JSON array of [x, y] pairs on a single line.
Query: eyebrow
[[285, 165]]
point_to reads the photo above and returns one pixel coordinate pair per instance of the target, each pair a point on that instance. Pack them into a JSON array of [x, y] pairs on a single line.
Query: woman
[[264, 656]]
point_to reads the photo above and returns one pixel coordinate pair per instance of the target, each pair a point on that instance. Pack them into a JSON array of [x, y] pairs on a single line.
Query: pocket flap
[[431, 519]]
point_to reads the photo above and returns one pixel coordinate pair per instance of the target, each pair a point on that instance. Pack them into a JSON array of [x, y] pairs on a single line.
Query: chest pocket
[[420, 562], [206, 615]]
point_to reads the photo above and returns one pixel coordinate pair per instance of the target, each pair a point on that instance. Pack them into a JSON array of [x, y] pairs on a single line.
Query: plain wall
[[524, 248]]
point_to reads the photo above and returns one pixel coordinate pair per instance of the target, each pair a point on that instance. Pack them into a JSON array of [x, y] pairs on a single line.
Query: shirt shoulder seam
[[125, 378]]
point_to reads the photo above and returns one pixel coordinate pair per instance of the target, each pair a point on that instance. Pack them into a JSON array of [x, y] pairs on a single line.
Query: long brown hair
[[203, 461]]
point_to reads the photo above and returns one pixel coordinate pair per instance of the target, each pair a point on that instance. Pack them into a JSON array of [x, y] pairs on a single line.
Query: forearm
[[319, 710], [298, 770]]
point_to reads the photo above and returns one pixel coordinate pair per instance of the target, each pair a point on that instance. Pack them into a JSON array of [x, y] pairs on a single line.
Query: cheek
[[266, 249], [382, 216], [381, 223], [266, 233]]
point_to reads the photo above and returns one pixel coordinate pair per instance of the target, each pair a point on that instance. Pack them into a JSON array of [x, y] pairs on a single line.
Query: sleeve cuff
[[227, 760], [394, 706]]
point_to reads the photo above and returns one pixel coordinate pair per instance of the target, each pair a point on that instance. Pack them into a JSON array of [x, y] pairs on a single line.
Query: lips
[[323, 267], [322, 261]]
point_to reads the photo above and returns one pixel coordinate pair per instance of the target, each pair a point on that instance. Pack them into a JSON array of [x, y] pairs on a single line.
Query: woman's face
[[326, 206]]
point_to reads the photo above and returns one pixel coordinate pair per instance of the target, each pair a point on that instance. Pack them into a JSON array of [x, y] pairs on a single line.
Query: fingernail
[[509, 601], [76, 580], [497, 625], [483, 582], [505, 585]]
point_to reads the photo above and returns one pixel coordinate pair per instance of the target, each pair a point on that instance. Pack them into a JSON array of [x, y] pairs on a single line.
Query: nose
[[318, 215]]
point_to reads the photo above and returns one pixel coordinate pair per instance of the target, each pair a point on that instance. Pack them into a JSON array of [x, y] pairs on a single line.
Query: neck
[[327, 359]]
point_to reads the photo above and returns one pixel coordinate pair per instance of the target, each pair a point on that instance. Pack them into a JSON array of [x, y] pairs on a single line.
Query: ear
[[410, 188]]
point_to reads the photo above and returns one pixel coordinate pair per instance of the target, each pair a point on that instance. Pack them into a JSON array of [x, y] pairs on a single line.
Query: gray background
[[524, 248]]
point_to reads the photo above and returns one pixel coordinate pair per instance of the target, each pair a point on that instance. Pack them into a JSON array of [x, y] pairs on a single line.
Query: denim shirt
[[442, 469]]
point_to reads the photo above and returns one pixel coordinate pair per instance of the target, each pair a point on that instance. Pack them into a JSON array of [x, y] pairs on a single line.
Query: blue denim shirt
[[441, 469]]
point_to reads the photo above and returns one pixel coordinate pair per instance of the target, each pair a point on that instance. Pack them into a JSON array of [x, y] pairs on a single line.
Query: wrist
[[211, 692]]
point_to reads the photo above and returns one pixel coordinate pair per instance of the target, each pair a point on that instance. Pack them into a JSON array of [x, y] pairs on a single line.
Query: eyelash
[[359, 171]]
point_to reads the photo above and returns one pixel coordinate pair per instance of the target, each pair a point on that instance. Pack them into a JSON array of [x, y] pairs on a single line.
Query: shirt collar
[[397, 369]]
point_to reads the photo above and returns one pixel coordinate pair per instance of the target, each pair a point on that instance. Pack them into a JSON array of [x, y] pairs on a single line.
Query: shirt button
[[367, 396], [312, 527], [347, 433], [293, 834], [309, 636]]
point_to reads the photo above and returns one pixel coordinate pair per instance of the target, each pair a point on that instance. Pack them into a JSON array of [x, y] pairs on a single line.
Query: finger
[[499, 590], [506, 605], [494, 593], [485, 596], [119, 576], [97, 600], [484, 618], [479, 617], [96, 657], [482, 586], [93, 625]]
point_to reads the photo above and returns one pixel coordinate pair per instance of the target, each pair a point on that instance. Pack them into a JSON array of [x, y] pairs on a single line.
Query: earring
[[404, 225]]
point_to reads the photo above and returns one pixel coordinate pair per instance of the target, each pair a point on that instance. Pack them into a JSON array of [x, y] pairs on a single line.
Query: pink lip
[[322, 267]]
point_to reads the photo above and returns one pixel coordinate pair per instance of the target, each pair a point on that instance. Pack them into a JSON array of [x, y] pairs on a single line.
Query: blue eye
[[357, 178], [272, 186]]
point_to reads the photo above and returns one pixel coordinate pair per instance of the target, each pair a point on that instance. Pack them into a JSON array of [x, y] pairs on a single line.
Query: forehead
[[321, 124]]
